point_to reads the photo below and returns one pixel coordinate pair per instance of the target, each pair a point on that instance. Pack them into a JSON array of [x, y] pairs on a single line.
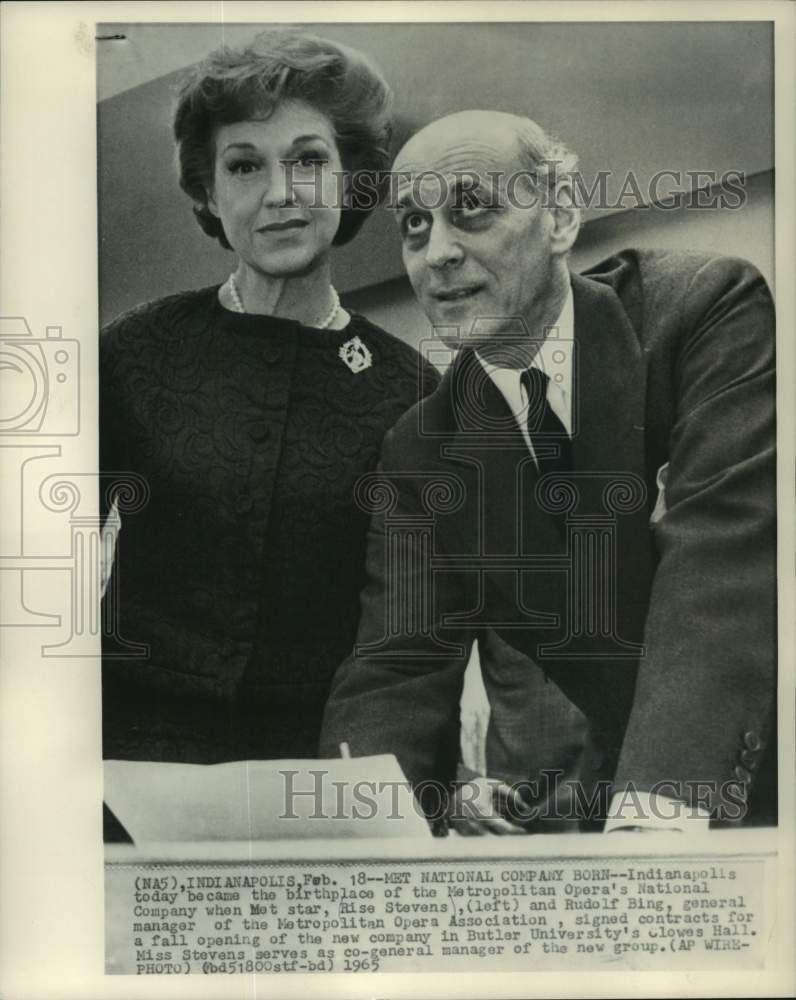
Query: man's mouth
[[456, 294], [275, 227]]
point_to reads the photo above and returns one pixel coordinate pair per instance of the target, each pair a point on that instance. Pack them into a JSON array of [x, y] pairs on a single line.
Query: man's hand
[[486, 805]]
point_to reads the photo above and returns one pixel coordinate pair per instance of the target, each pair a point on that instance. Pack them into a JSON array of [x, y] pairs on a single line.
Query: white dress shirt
[[641, 810], [554, 358]]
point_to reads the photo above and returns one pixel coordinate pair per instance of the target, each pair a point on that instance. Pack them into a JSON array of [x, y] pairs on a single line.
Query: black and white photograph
[[397, 557]]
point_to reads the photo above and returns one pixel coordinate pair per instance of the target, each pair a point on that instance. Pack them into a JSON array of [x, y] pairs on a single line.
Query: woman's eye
[[311, 158], [242, 167], [414, 224]]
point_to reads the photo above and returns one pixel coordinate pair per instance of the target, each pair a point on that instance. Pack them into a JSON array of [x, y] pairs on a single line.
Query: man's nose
[[442, 248]]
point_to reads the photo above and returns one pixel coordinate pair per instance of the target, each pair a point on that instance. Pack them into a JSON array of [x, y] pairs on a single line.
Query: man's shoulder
[[667, 294], [651, 269], [414, 441]]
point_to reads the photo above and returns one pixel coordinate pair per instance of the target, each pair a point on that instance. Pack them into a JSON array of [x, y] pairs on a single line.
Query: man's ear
[[566, 217]]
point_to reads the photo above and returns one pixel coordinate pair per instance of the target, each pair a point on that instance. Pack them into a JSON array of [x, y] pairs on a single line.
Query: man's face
[[475, 235]]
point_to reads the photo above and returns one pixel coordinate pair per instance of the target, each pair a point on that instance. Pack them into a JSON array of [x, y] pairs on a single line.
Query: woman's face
[[277, 188]]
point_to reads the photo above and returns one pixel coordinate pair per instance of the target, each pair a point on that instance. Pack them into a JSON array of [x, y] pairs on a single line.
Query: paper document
[[263, 799]]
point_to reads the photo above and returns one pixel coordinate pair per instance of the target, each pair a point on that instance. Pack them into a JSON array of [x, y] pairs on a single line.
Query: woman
[[251, 410]]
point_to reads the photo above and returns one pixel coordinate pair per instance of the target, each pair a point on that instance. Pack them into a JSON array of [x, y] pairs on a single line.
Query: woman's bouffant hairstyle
[[234, 85]]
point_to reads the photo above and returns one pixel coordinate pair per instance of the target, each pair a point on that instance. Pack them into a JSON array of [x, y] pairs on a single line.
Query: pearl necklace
[[237, 302]]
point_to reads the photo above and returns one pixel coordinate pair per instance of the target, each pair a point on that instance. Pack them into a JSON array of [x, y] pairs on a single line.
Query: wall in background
[[641, 96]]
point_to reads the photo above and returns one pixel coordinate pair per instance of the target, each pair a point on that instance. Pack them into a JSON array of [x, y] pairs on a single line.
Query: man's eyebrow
[[469, 181], [472, 182], [404, 200]]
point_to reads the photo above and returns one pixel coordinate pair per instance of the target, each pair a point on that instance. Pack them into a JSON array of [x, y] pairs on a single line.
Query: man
[[598, 467]]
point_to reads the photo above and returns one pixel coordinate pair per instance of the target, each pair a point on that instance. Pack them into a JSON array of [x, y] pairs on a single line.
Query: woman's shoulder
[[162, 316], [405, 359]]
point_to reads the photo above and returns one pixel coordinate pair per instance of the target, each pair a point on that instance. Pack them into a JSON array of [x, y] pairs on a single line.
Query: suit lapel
[[493, 459], [499, 516], [608, 402], [486, 449]]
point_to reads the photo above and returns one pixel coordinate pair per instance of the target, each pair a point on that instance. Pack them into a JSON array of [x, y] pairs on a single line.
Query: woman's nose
[[279, 186]]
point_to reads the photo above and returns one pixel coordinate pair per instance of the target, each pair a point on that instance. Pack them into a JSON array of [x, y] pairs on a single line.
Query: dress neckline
[[261, 323]]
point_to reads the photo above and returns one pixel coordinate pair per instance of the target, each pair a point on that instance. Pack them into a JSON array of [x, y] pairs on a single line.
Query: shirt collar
[[558, 337], [554, 358]]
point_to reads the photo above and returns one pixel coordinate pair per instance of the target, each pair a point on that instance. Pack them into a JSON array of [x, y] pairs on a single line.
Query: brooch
[[354, 354]]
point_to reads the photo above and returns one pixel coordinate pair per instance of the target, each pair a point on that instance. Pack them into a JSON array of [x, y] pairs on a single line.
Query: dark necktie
[[551, 443]]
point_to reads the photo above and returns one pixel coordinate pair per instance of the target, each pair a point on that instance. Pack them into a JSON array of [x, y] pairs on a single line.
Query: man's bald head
[[513, 135], [486, 222]]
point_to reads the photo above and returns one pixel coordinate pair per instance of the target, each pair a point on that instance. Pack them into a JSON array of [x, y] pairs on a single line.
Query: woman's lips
[[278, 227]]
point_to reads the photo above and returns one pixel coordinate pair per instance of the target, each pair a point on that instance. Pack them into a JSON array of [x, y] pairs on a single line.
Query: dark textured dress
[[241, 573]]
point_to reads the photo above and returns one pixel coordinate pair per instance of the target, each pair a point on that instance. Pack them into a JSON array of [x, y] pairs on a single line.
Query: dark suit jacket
[[674, 364], [548, 733]]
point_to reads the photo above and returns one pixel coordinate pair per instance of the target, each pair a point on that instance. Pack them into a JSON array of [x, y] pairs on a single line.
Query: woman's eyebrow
[[238, 145], [310, 137]]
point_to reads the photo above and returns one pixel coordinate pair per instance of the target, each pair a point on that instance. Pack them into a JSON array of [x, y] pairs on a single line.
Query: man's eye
[[468, 203], [414, 224]]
